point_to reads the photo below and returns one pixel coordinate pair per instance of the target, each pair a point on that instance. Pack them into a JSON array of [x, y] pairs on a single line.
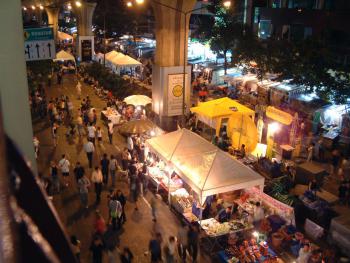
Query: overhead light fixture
[[33, 7], [129, 4], [24, 8], [140, 2], [41, 7], [69, 7], [78, 3], [227, 4]]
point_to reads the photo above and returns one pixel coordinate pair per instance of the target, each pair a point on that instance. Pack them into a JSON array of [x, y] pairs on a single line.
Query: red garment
[[100, 226]]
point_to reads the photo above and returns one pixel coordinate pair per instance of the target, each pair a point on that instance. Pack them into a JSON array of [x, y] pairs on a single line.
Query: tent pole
[[240, 134]]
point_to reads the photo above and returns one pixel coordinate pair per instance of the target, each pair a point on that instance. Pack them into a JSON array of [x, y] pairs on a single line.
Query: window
[[276, 3]]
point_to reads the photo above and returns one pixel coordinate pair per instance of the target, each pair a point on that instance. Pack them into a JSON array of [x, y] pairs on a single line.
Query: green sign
[[35, 34]]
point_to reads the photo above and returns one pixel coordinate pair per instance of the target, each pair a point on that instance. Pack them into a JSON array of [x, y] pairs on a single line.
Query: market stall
[[238, 119], [67, 59], [193, 171], [111, 114]]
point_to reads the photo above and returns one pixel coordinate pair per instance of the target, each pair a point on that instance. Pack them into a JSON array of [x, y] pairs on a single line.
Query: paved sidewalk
[[137, 230]]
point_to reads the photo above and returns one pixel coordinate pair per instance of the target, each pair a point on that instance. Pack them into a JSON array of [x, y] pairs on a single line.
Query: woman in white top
[[91, 133]]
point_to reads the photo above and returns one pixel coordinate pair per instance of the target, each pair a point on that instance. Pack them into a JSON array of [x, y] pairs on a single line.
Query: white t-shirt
[[91, 131], [64, 165], [130, 143], [258, 213], [89, 147]]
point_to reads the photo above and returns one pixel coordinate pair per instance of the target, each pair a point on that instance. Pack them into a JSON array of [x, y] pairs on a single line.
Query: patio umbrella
[[137, 127], [138, 100]]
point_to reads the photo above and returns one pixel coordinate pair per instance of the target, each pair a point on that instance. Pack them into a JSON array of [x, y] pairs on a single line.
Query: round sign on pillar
[[177, 91]]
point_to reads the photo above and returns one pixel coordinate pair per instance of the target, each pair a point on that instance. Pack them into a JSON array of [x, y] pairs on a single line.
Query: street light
[[78, 3], [24, 8], [33, 7], [226, 4], [139, 2], [41, 7]]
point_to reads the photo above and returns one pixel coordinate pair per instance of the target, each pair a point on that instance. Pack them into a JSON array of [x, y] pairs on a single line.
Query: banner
[[278, 115], [39, 44], [175, 94]]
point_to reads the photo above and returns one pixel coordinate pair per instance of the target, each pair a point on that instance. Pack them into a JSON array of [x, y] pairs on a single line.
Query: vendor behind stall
[[259, 213], [225, 215]]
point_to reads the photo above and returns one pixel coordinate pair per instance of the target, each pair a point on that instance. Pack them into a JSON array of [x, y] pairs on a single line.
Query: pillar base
[[166, 123], [85, 47]]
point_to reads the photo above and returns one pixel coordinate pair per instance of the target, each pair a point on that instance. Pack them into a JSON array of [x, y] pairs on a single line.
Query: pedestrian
[[64, 165], [105, 168], [55, 179], [83, 187], [70, 107], [36, 144], [130, 144], [96, 249], [110, 131], [154, 247], [76, 245], [80, 126], [99, 135], [99, 224], [310, 151], [342, 190], [54, 134], [154, 208], [169, 250], [78, 171], [335, 161], [89, 149], [91, 133], [97, 179], [49, 79], [304, 254], [115, 210], [126, 256], [78, 88], [134, 185], [113, 165], [182, 241], [126, 158], [193, 240], [122, 200]]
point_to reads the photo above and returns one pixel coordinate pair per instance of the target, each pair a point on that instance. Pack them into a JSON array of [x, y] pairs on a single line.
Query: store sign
[[86, 50], [39, 44], [175, 94], [278, 115]]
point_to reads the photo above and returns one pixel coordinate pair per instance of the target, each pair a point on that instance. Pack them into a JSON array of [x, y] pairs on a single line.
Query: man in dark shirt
[[225, 215], [78, 171], [155, 249], [105, 168]]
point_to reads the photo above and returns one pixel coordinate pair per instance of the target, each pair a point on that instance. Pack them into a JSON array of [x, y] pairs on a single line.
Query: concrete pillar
[[52, 15], [13, 80], [170, 58], [84, 15], [85, 40]]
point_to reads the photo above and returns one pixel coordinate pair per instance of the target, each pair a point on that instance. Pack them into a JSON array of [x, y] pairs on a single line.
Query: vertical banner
[[175, 94]]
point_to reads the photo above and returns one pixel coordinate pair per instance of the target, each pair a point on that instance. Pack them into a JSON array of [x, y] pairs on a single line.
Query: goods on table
[[214, 228], [181, 200]]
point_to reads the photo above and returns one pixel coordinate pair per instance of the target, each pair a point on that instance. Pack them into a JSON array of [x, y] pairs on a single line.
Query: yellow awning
[[221, 107]]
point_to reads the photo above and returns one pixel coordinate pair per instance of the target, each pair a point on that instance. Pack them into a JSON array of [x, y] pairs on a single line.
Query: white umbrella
[[138, 100]]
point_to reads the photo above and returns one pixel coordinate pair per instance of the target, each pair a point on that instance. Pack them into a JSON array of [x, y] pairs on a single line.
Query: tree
[[222, 30]]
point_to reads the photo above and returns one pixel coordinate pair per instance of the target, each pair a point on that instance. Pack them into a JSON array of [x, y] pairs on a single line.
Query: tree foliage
[[307, 62]]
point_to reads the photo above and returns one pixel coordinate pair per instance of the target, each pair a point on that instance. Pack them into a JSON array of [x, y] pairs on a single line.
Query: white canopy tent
[[203, 166], [64, 56]]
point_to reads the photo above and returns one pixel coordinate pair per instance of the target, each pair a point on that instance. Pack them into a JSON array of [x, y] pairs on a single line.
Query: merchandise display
[[181, 200], [112, 115], [213, 228]]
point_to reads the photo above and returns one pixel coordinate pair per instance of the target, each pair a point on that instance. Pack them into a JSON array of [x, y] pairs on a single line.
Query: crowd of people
[[128, 165]]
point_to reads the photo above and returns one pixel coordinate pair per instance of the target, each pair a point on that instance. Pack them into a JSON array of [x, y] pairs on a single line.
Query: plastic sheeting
[[203, 166]]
